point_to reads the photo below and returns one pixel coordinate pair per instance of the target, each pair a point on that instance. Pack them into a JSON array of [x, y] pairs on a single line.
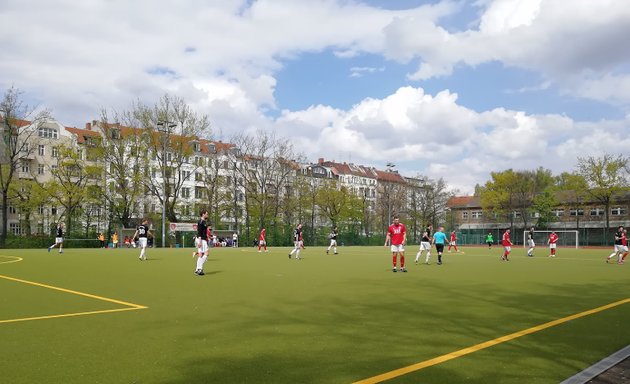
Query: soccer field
[[103, 316]]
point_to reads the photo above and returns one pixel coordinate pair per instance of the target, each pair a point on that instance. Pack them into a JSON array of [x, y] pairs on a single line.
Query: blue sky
[[443, 88]]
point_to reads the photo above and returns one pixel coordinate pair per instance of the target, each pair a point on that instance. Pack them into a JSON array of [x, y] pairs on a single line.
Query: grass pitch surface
[[262, 318]]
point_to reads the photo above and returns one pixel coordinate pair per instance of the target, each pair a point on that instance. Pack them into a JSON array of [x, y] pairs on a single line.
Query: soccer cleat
[[336, 253], [140, 258], [259, 251], [289, 255], [394, 269], [439, 263], [403, 270], [201, 273], [60, 252], [48, 249], [326, 251]]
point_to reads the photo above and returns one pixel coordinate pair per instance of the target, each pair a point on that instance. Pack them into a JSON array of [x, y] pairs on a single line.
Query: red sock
[[624, 256], [394, 260], [456, 250], [265, 247], [402, 261], [259, 247]]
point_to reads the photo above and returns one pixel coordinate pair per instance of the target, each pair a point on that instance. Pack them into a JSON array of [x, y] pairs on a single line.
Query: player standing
[[530, 242], [333, 241], [553, 239], [397, 233], [142, 231], [453, 242], [297, 242], [202, 242], [425, 244], [439, 238], [507, 245], [489, 240], [261, 240], [619, 250], [58, 238]]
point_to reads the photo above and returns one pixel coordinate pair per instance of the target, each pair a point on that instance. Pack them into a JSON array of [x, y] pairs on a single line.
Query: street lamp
[[165, 128]]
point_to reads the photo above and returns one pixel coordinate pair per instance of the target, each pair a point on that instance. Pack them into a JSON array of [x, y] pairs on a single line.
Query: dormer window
[[197, 147]]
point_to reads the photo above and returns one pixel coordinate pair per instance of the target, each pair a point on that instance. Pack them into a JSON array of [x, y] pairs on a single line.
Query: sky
[[453, 88]]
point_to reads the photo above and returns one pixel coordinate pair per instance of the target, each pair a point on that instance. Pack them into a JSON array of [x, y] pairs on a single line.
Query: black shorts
[[439, 247]]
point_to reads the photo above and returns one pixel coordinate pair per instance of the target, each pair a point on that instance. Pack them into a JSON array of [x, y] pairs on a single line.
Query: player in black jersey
[[333, 241], [297, 242], [619, 248], [202, 242], [425, 244], [58, 238], [142, 232]]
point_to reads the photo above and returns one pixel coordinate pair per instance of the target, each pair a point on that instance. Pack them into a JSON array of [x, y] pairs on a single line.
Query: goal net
[[565, 238]]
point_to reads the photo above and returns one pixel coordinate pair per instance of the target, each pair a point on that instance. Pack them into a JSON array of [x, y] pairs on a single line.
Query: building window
[[597, 212], [12, 210], [47, 133], [198, 176], [53, 210], [477, 214], [40, 169], [576, 212], [197, 147], [199, 193], [186, 192], [153, 208], [41, 209], [41, 150], [26, 168], [465, 215], [115, 134], [618, 211], [516, 214], [15, 229], [558, 212], [55, 152]]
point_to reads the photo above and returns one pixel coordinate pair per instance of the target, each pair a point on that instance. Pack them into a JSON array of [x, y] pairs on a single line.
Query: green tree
[[606, 177], [20, 125], [573, 189], [26, 196]]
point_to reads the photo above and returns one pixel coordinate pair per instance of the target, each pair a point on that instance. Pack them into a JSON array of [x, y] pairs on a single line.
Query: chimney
[[320, 161], [88, 126]]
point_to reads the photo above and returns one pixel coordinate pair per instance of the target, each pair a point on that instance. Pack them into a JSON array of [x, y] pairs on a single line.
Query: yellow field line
[[11, 261], [484, 345], [70, 315], [136, 306], [131, 306]]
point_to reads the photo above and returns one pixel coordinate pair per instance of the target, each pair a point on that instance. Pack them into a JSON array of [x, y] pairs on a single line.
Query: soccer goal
[[565, 238]]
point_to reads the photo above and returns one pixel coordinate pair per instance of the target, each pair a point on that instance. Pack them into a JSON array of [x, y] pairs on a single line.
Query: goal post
[[566, 238]]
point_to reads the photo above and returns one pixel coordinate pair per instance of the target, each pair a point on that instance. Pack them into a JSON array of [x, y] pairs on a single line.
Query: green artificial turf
[[262, 318]]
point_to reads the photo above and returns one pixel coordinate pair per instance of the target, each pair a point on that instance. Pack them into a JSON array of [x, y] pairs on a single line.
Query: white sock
[[418, 256], [428, 257], [335, 249], [142, 253]]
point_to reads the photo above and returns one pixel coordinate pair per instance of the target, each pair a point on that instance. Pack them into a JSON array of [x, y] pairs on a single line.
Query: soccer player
[[297, 242], [624, 242], [507, 245], [234, 240], [453, 242], [261, 240], [397, 234], [425, 244], [101, 238], [202, 242], [553, 239], [530, 242], [489, 240], [333, 240], [115, 240], [619, 250], [58, 238], [439, 238], [142, 231]]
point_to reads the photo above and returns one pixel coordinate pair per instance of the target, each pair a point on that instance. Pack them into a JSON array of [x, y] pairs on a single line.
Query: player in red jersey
[[553, 239], [397, 234], [507, 245], [453, 242], [261, 240], [624, 243]]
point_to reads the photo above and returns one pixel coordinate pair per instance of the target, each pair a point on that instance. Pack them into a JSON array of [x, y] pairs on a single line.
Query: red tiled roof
[[391, 177], [464, 202], [82, 133]]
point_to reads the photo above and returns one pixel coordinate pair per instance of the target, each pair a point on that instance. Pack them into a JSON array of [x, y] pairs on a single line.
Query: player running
[[58, 238], [619, 248], [453, 242], [530, 242], [333, 240], [397, 234], [425, 244], [297, 242], [439, 238]]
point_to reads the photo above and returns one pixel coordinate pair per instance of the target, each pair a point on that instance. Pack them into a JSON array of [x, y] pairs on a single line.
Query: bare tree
[[19, 125]]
